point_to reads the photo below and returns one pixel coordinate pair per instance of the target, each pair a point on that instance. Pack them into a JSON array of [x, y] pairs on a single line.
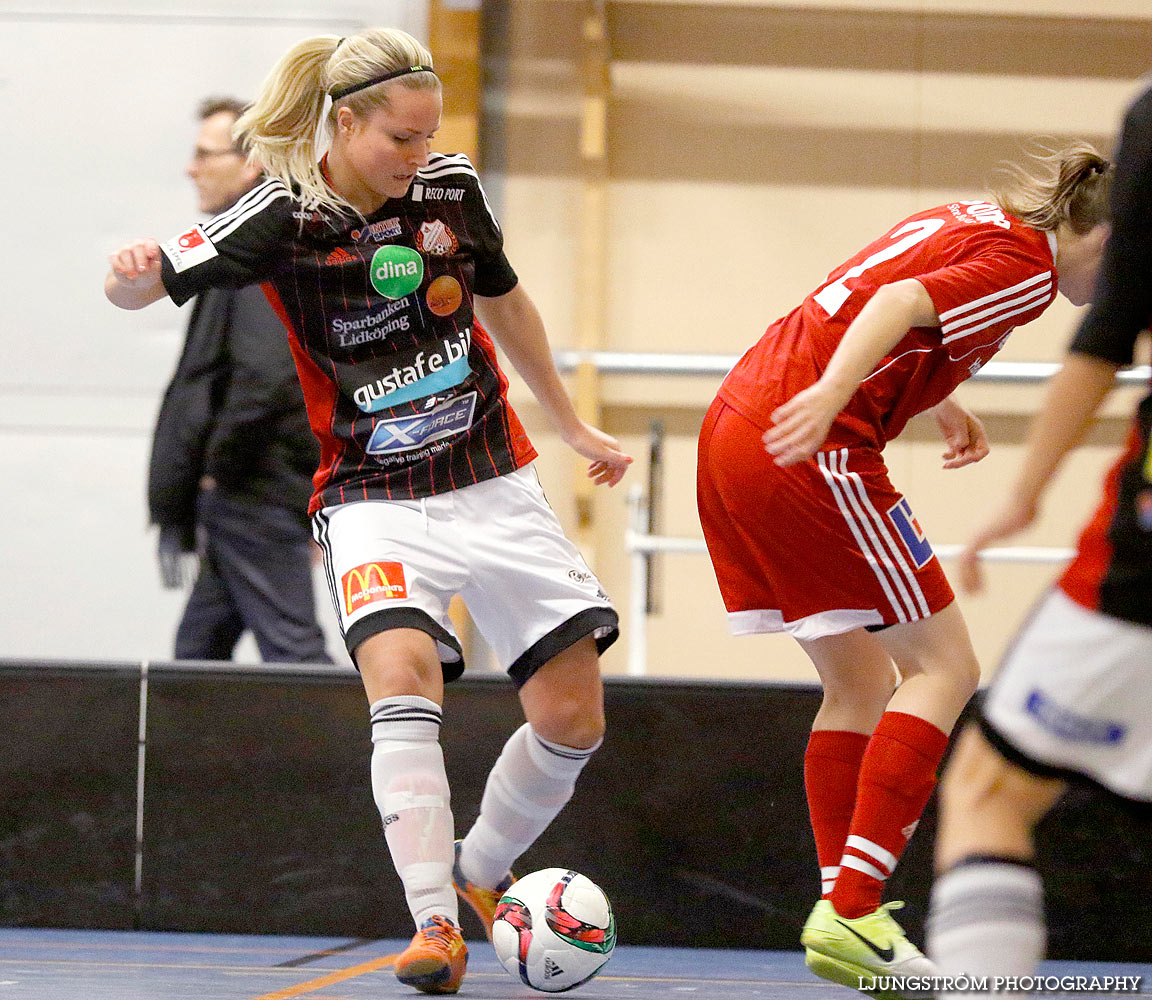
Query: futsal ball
[[554, 929]]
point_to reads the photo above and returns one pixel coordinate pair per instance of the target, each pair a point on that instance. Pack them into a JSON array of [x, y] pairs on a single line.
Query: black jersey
[[1113, 568], [402, 385]]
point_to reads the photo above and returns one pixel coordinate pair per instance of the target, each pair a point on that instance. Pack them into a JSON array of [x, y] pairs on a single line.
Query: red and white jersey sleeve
[[986, 273]]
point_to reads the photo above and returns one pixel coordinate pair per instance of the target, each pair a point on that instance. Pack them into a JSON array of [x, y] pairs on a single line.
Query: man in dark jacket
[[233, 456]]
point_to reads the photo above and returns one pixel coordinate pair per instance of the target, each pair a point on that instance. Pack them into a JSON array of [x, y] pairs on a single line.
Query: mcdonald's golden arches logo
[[374, 581]]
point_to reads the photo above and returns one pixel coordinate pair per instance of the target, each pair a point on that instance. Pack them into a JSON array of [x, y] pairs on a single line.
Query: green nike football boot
[[862, 953]]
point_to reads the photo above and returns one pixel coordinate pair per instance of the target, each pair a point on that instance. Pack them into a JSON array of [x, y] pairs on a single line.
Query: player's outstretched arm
[[1074, 395], [134, 280], [800, 426], [515, 323]]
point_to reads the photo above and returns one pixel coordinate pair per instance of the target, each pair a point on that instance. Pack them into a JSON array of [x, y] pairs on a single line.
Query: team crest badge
[[437, 239]]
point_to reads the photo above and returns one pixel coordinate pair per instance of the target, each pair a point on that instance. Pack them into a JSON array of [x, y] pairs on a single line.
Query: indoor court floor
[[116, 965]]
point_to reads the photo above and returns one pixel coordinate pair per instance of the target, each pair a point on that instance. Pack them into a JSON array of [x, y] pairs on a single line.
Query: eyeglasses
[[200, 154]]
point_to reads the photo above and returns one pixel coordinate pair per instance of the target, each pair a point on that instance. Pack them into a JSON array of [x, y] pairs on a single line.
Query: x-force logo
[[374, 581], [407, 433]]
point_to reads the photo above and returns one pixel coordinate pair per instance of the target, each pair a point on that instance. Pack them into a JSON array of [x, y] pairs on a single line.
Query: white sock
[[529, 784], [987, 920], [410, 787]]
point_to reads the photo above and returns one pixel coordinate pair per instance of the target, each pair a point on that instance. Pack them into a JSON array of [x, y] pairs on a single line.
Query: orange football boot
[[435, 960], [483, 901]]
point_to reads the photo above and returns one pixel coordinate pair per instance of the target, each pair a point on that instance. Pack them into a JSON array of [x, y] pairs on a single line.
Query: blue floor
[[115, 965]]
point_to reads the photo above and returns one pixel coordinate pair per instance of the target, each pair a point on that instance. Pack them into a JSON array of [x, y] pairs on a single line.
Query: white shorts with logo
[[498, 544], [1074, 696]]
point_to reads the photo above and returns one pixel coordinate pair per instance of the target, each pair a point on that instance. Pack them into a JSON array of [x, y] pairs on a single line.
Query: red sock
[[831, 771], [897, 776]]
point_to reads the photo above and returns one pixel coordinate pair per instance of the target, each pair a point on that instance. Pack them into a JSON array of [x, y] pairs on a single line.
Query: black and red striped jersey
[[986, 273], [402, 384], [1112, 571]]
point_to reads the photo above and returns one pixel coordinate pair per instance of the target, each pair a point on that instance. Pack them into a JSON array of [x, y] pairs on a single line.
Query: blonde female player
[[381, 257], [808, 536]]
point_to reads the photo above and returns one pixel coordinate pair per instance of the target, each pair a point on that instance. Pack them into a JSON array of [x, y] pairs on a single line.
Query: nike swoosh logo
[[884, 954]]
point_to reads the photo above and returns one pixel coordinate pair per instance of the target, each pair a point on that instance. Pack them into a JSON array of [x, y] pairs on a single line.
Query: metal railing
[[626, 363], [642, 546], [643, 543]]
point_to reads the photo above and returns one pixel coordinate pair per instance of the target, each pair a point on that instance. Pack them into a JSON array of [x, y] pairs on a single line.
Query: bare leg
[[909, 735], [858, 678], [987, 914], [988, 805], [564, 700], [938, 665]]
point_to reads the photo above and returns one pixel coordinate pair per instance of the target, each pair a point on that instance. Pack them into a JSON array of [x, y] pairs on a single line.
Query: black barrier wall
[[68, 741], [256, 814]]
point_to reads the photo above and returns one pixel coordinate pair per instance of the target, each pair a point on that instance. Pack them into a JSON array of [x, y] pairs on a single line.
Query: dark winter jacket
[[233, 411]]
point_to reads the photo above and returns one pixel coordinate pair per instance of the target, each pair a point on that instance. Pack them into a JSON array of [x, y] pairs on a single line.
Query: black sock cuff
[[971, 860]]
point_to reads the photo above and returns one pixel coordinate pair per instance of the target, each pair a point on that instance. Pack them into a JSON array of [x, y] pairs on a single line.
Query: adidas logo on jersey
[[339, 256]]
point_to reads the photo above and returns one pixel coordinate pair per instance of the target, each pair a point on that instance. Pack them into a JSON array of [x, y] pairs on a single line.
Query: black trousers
[[255, 575]]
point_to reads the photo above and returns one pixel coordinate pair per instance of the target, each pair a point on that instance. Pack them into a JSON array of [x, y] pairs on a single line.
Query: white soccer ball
[[554, 929]]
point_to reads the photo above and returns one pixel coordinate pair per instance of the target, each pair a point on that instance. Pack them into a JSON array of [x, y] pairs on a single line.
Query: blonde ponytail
[[1069, 185], [286, 128]]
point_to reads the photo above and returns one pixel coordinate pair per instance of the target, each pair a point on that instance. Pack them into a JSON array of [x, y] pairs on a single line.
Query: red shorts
[[813, 549]]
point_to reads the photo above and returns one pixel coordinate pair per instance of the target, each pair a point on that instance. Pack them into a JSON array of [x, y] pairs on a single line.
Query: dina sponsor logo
[[396, 271], [408, 433], [429, 372]]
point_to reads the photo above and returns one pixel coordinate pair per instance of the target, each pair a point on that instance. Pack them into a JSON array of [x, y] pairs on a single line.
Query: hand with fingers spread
[[963, 432], [800, 426], [608, 462], [1074, 395]]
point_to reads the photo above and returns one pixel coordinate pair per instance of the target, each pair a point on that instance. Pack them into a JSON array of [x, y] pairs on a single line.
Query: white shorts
[[398, 563], [1074, 697]]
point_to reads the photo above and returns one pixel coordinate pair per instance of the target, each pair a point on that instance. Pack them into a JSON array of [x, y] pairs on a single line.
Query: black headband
[[342, 92]]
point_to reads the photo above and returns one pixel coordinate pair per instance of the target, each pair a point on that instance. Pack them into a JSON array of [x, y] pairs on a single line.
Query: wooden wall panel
[[752, 147]]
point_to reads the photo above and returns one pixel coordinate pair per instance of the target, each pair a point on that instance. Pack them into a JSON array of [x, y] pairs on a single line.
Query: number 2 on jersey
[[833, 295]]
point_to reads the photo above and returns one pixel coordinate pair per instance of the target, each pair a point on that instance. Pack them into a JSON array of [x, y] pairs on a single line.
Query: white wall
[[97, 108]]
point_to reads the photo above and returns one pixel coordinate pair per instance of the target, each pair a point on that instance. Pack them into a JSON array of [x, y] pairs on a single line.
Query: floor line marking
[[335, 977], [293, 963]]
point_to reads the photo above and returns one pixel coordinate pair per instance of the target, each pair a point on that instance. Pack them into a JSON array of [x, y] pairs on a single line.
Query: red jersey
[[986, 273]]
